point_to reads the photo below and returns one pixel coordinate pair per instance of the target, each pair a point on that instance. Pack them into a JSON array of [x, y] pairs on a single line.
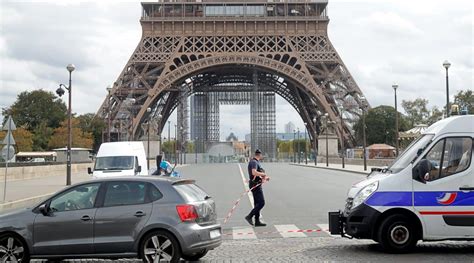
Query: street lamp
[[298, 144], [109, 90], [293, 148], [61, 92], [148, 110], [343, 147], [446, 65], [395, 86], [176, 143], [315, 141], [159, 117], [305, 139], [363, 101], [195, 150]]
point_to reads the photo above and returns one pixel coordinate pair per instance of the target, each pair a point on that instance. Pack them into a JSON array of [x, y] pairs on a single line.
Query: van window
[[449, 156], [114, 163], [411, 153]]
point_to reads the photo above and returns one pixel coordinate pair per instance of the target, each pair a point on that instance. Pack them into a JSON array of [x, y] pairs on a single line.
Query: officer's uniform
[[258, 198]]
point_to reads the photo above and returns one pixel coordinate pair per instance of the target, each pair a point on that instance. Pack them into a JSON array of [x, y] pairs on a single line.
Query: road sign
[[9, 125], [9, 139], [8, 154]]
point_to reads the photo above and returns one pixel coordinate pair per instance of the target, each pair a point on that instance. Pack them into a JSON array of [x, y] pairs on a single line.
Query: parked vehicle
[[426, 194], [120, 159], [153, 218]]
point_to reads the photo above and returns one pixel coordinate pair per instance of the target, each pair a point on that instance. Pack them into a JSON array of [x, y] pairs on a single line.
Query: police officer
[[256, 176]]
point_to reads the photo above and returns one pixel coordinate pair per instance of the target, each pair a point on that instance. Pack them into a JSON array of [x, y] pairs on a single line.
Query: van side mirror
[[44, 209], [89, 170], [421, 169], [139, 169]]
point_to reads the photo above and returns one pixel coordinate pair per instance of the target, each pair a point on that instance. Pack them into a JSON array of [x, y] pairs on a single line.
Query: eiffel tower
[[191, 48]]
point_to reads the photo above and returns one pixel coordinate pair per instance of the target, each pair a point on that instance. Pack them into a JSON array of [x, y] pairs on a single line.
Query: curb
[[23, 202], [330, 168]]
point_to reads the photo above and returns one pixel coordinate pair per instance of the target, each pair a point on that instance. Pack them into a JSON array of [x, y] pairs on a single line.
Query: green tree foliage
[[168, 147], [465, 99], [380, 126], [95, 126], [41, 136], [35, 108], [416, 111], [79, 138]]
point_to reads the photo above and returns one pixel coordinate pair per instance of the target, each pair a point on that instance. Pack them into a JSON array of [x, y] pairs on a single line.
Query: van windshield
[[410, 153], [114, 163]]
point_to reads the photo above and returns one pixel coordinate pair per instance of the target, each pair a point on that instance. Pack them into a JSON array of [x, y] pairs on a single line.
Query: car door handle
[[86, 218], [139, 214], [466, 188]]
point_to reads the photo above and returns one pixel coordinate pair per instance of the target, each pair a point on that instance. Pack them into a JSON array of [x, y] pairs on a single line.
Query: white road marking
[[287, 231], [324, 228], [243, 233]]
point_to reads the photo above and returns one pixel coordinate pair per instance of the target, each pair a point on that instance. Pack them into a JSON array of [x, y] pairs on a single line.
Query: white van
[[426, 194], [120, 159]]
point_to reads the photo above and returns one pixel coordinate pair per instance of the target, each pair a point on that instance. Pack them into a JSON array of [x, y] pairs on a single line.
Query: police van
[[426, 194]]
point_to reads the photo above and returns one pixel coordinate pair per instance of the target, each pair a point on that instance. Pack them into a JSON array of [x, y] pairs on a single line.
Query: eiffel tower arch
[[190, 48]]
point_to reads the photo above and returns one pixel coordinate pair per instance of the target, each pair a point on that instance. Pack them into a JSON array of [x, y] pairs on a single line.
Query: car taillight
[[187, 212]]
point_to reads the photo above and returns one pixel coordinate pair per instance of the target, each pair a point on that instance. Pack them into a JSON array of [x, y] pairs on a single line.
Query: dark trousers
[[259, 203]]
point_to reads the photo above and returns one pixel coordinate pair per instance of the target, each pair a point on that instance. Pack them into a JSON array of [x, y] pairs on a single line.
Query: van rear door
[[444, 197]]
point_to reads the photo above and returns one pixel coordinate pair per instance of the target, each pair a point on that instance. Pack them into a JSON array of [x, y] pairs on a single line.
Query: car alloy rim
[[11, 250], [158, 249], [400, 234]]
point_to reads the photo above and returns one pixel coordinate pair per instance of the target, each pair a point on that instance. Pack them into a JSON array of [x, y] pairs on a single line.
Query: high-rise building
[[289, 127]]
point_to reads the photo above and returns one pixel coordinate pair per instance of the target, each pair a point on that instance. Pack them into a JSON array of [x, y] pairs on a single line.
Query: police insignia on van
[[426, 194]]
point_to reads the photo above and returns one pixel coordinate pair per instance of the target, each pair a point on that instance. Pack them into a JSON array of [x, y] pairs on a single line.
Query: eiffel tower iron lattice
[[190, 48]]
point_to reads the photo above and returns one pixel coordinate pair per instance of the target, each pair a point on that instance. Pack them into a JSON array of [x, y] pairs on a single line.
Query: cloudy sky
[[380, 41]]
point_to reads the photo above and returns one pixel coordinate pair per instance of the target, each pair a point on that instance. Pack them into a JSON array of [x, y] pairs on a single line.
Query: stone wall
[[29, 172]]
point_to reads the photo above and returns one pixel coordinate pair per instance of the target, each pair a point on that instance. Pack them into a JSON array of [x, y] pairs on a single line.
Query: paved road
[[298, 199]]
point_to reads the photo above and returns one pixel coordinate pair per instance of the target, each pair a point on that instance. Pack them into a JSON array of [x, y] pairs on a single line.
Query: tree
[[89, 124], [465, 99], [23, 139], [79, 138], [380, 126], [32, 109], [417, 111], [41, 136]]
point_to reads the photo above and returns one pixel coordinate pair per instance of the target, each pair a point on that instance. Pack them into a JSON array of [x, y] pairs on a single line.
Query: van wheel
[[397, 235], [160, 246], [13, 249], [195, 257]]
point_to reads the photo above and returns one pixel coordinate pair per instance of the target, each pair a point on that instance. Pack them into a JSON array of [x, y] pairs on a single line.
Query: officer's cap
[[258, 151]]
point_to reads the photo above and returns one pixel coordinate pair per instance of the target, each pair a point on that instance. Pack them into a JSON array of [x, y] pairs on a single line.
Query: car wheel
[[160, 246], [397, 235], [13, 249], [196, 256]]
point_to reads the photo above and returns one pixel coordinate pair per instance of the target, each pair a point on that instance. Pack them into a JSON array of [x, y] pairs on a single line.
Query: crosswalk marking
[[324, 228], [243, 233], [287, 231]]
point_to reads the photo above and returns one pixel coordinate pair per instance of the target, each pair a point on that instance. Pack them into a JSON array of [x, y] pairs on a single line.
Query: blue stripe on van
[[421, 199]]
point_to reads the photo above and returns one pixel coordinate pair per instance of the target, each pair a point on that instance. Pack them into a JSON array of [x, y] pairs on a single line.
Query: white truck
[[426, 194], [120, 159]]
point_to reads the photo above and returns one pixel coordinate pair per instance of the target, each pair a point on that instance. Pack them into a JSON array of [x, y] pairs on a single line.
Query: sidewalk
[[333, 166]]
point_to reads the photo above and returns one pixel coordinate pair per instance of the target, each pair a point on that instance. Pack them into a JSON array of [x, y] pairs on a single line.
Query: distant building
[[231, 138], [290, 127], [289, 136]]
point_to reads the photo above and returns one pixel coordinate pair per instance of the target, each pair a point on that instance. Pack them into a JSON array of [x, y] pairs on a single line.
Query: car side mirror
[[44, 209], [139, 169], [89, 170], [421, 169]]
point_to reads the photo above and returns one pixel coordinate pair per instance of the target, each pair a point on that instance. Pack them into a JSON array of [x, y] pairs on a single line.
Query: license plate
[[215, 233]]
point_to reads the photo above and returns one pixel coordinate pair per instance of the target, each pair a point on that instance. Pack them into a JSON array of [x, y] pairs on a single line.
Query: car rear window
[[191, 192]]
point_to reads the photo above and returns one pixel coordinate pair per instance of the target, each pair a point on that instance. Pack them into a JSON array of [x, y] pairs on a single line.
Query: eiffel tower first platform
[[251, 48]]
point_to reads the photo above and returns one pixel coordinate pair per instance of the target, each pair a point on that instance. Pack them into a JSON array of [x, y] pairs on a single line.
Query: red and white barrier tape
[[277, 232], [238, 201]]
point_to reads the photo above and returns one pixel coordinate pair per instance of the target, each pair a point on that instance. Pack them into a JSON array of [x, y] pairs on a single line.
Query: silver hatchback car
[[155, 219]]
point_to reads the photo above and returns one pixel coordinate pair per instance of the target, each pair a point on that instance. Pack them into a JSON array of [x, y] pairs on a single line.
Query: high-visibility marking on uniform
[[243, 233], [287, 231]]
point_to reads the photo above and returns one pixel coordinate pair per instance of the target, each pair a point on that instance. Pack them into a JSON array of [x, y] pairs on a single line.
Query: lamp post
[[305, 139], [326, 117], [159, 133], [61, 92], [395, 87], [315, 141], [294, 140], [148, 110], [343, 147], [176, 143], [298, 146], [181, 143], [195, 150], [131, 101], [109, 89], [364, 145], [446, 65]]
